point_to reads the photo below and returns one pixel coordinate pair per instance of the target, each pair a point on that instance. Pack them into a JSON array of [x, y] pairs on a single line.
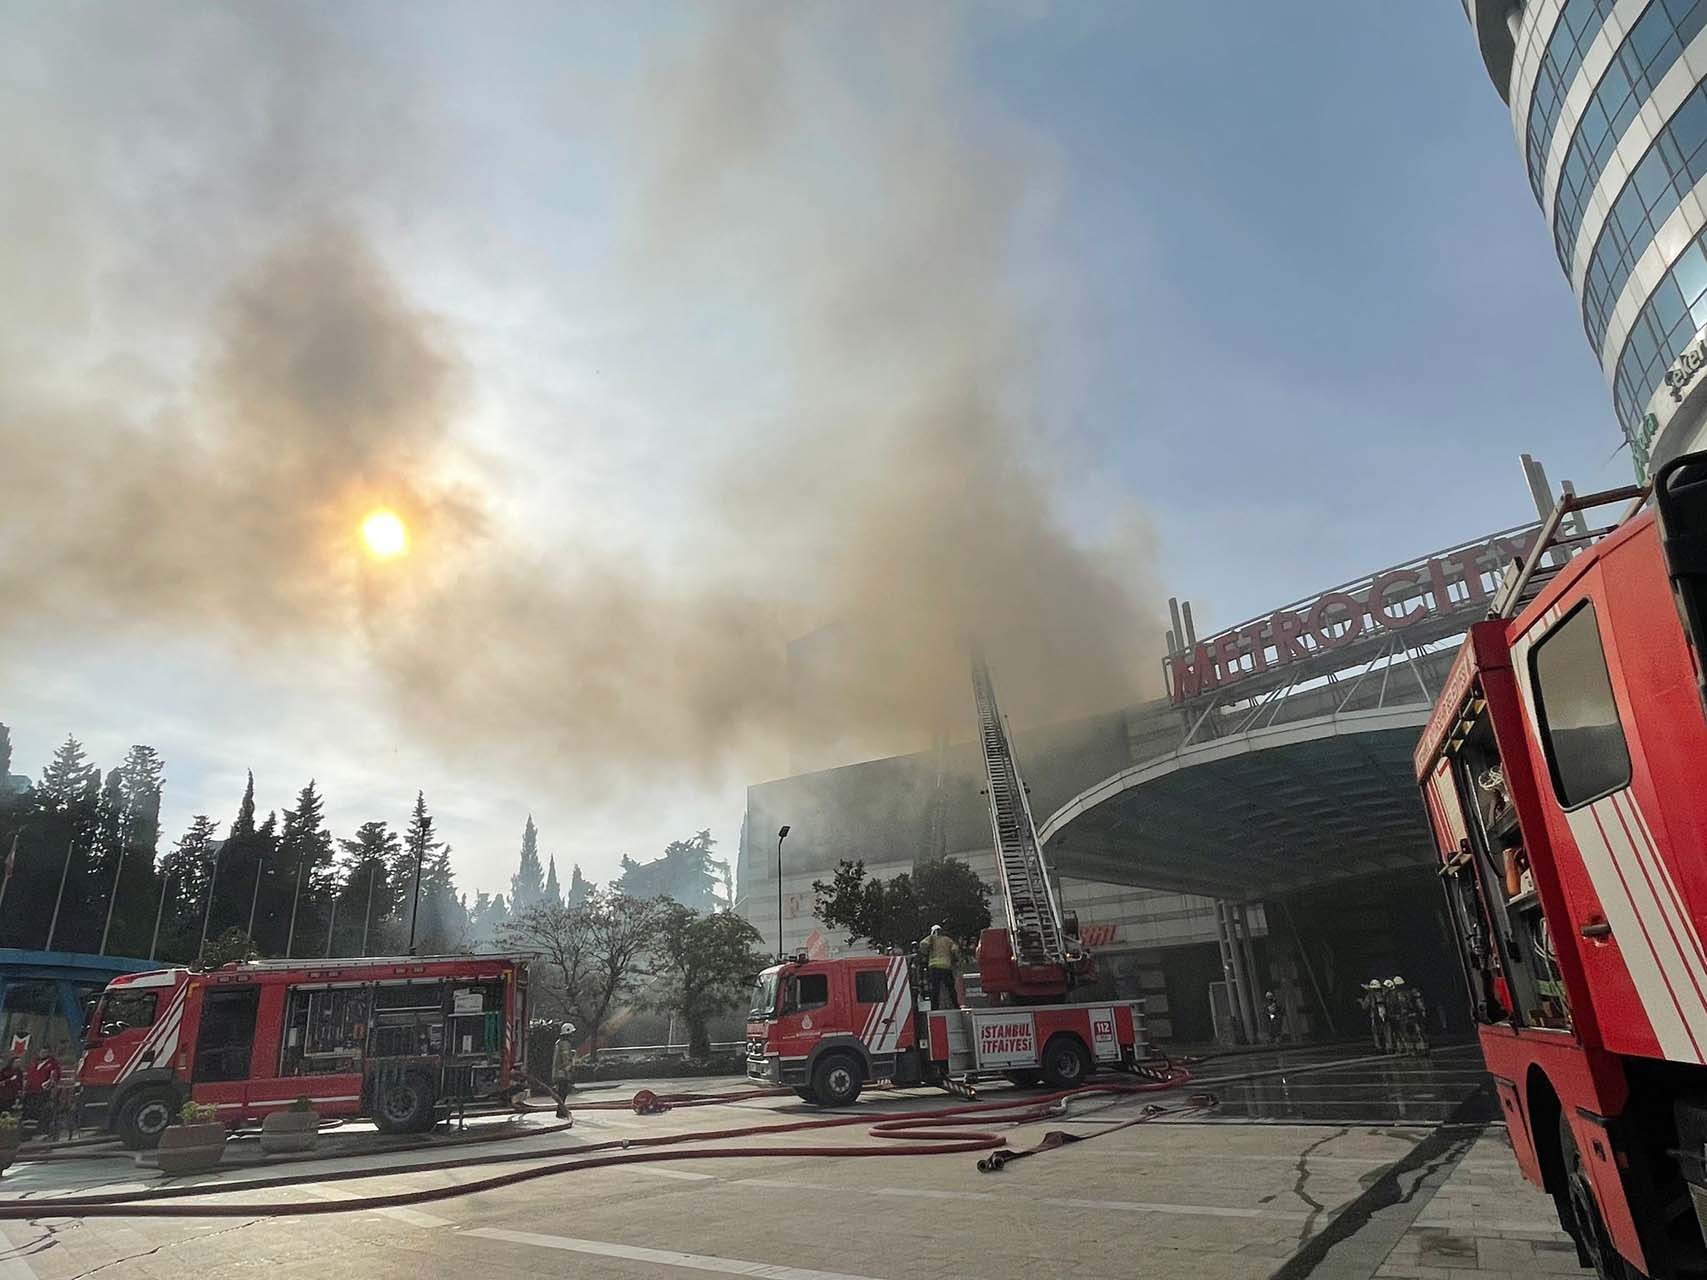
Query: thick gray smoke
[[824, 181]]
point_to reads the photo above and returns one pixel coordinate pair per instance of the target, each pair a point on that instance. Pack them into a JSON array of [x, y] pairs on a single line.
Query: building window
[[1586, 751], [870, 986]]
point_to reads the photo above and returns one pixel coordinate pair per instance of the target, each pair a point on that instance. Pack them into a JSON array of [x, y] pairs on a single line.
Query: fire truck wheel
[[1065, 1062], [144, 1117], [1594, 1243], [837, 1080], [1024, 1079], [405, 1105], [805, 1095]]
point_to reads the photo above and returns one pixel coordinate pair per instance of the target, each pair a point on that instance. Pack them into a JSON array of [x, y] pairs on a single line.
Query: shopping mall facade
[[1608, 101], [1255, 828]]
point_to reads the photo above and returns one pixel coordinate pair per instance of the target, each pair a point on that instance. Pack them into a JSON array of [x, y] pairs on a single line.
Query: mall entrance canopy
[[1290, 763]]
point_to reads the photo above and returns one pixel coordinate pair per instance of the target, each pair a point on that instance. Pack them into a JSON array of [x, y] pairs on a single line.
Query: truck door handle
[[1597, 929]]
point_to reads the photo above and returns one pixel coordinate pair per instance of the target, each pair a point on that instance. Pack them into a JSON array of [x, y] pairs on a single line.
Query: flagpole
[[53, 924], [11, 861], [207, 911]]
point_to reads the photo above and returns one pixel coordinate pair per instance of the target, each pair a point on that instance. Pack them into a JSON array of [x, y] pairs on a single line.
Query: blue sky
[[1272, 307]]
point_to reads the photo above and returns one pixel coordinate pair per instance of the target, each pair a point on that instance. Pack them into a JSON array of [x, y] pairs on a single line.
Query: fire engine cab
[[1564, 772], [399, 1039], [826, 1027]]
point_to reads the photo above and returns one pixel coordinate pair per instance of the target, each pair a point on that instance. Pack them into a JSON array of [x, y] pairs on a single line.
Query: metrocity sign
[[1441, 588]]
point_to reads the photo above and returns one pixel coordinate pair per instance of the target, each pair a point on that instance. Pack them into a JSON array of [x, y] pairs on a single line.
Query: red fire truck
[[398, 1038], [825, 1027], [1564, 771]]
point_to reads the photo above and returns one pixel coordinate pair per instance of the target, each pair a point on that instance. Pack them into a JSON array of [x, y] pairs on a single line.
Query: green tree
[[305, 870], [553, 890], [69, 781], [686, 872], [185, 871], [597, 952], [704, 965], [527, 886], [418, 846], [444, 916], [5, 752], [367, 897], [231, 945], [898, 912]]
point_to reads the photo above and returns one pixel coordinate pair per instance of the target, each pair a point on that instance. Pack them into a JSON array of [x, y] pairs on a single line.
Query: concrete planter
[[190, 1148], [285, 1131], [9, 1140]]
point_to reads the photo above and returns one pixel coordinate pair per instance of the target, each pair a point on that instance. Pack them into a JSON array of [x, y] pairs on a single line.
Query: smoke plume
[[200, 397]]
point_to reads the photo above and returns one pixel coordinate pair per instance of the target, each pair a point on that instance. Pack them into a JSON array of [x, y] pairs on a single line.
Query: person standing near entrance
[[941, 954]]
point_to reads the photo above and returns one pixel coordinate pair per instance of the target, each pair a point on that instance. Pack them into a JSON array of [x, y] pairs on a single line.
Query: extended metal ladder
[[1034, 917], [1561, 536]]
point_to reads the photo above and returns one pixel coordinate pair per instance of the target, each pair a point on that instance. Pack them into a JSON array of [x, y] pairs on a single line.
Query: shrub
[[197, 1113], [301, 1104], [8, 1122]]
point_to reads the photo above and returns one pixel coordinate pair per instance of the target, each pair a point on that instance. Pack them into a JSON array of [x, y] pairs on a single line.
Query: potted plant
[[195, 1143], [295, 1129], [10, 1136]]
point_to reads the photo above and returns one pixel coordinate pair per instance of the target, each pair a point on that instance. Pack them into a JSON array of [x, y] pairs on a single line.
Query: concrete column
[[1247, 976]]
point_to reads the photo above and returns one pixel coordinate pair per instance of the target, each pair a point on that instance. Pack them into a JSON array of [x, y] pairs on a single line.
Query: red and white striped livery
[[397, 1038], [827, 1027], [1564, 773]]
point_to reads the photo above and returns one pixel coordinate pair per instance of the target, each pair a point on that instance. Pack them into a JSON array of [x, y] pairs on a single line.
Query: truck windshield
[[764, 996]]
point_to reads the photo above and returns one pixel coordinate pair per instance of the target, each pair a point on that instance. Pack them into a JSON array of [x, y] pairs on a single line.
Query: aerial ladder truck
[[827, 1027]]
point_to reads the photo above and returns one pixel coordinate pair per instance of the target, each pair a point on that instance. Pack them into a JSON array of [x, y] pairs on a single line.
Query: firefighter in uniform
[[940, 954], [563, 1066]]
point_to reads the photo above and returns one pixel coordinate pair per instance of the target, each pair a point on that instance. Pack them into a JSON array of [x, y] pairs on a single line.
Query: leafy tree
[[231, 945], [686, 872], [553, 891], [898, 912], [563, 938], [597, 952], [623, 929], [244, 826], [705, 964], [527, 886], [5, 751]]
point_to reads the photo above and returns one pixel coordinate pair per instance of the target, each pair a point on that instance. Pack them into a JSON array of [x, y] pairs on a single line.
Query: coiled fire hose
[[934, 1132]]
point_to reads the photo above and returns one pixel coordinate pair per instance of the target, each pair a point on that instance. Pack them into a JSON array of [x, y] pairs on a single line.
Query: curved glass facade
[[1675, 162], [1578, 25], [1610, 98], [1647, 53]]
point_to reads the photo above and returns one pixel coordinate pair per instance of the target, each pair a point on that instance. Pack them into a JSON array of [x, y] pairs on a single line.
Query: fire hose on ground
[[940, 1131]]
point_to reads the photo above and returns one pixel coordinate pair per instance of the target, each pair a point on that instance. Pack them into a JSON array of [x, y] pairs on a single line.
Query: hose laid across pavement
[[933, 1132]]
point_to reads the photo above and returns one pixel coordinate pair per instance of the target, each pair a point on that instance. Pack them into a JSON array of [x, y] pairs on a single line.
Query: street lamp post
[[781, 950]]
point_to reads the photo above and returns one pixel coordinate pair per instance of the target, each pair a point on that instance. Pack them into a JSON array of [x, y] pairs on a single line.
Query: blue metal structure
[[72, 975]]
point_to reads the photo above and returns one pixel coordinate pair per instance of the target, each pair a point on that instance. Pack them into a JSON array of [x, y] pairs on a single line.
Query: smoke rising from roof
[[228, 366]]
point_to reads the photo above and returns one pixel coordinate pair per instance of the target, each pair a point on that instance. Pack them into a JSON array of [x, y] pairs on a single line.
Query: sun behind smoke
[[384, 534]]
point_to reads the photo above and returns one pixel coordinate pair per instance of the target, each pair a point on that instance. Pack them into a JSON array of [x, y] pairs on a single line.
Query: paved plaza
[[1304, 1171]]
